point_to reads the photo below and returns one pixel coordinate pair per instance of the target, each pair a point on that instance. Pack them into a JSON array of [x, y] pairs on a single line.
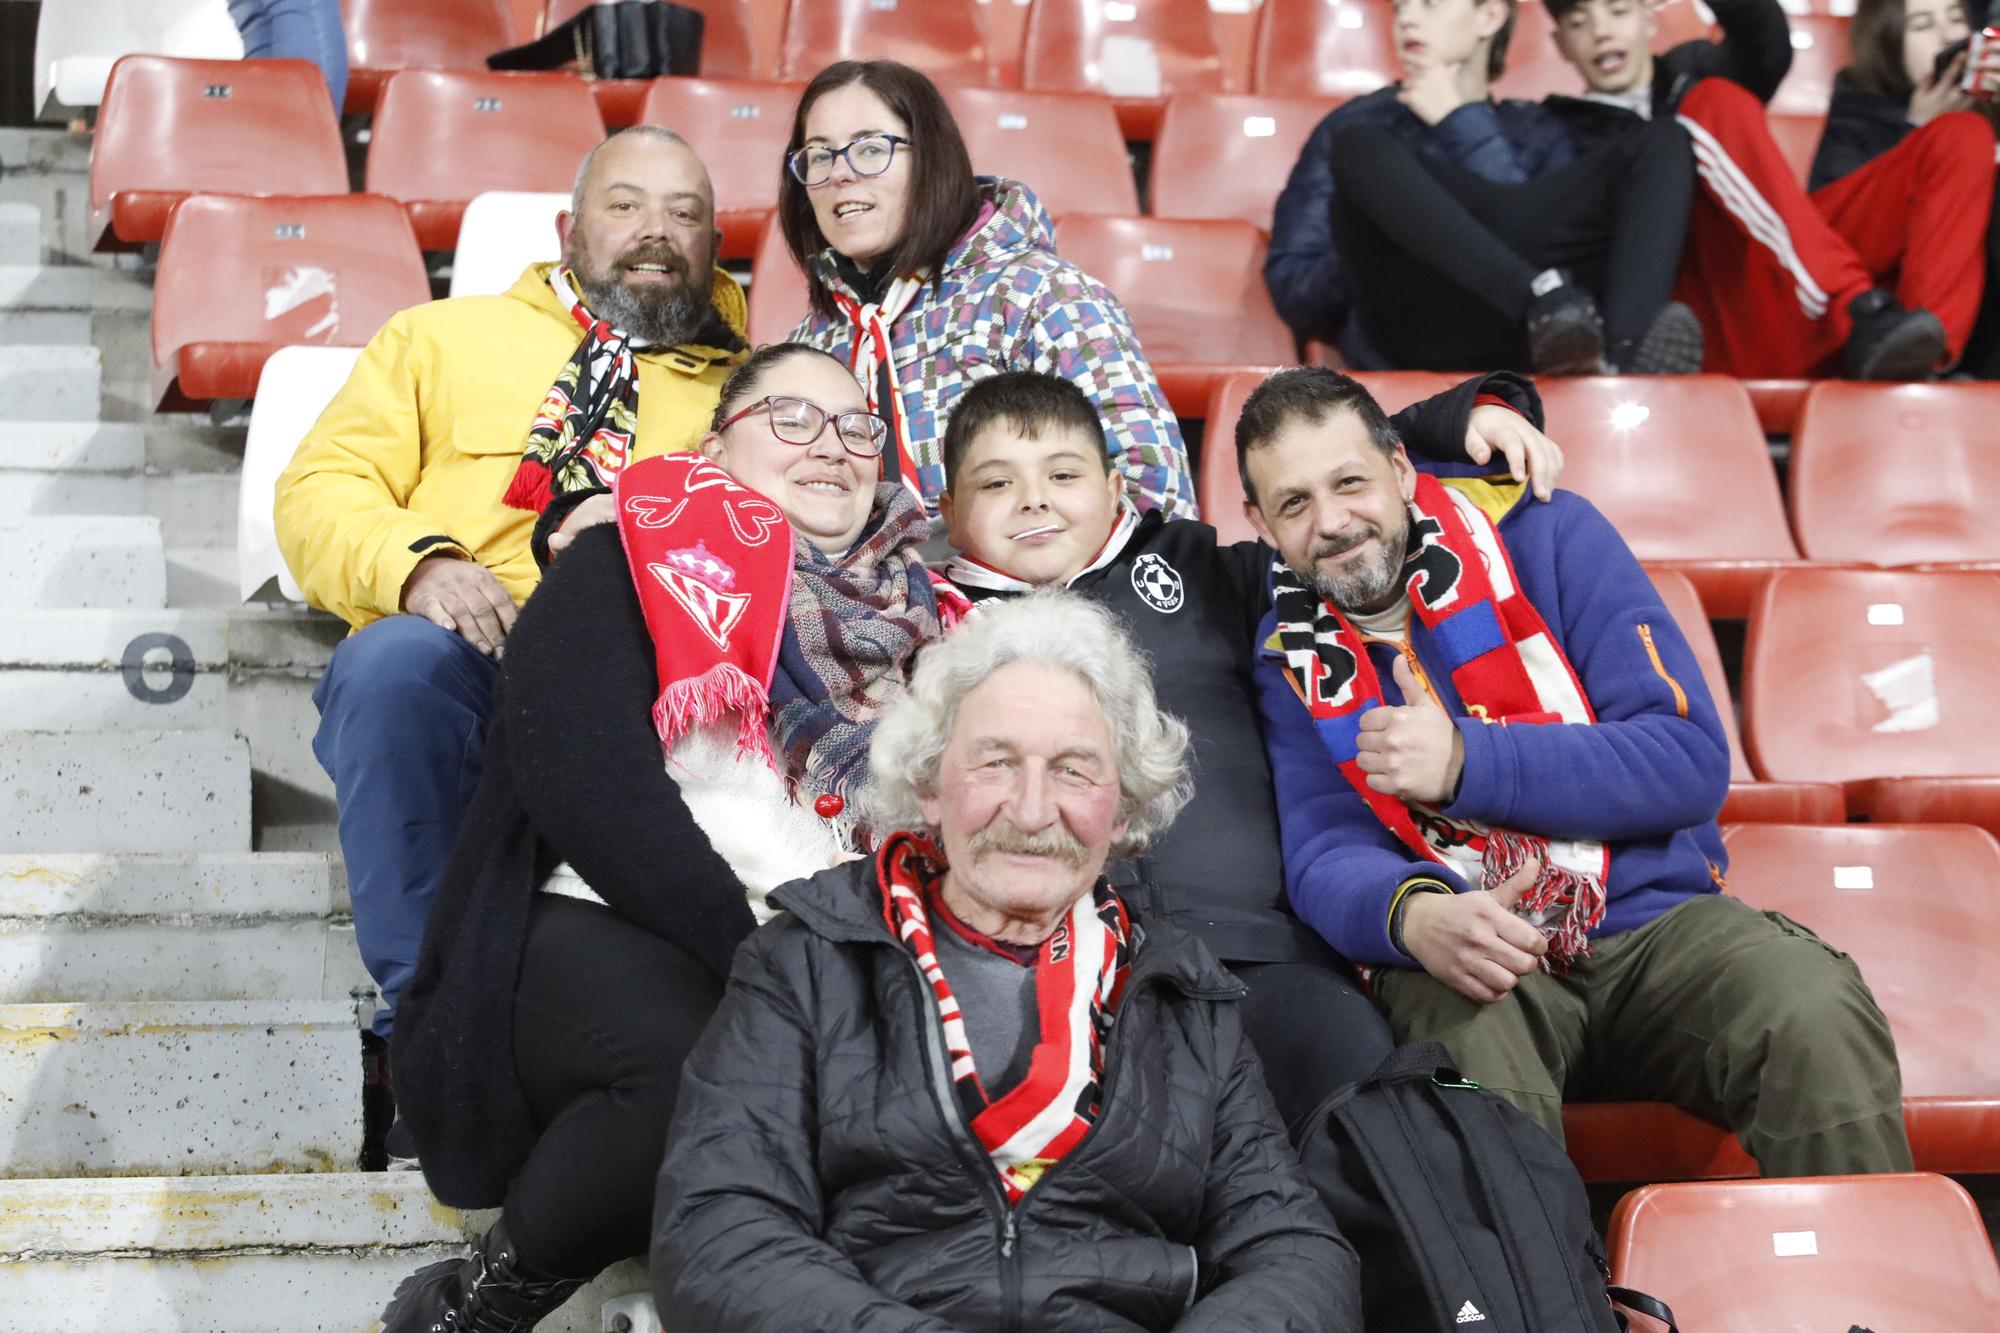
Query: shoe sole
[[1910, 352], [1575, 350], [1672, 346]]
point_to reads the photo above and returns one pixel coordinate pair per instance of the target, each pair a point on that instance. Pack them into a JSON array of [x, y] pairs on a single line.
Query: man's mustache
[[1342, 545], [665, 256], [1054, 842]]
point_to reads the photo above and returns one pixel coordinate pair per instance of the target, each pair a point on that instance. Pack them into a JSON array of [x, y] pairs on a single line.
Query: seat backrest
[[444, 136], [1798, 139], [1896, 474], [1066, 148], [76, 42], [436, 34], [1678, 464], [326, 271], [728, 48], [1195, 290], [739, 128], [943, 38], [1684, 605], [1324, 48], [1918, 907], [777, 289], [1851, 674], [1122, 48], [296, 385], [1819, 51], [503, 232], [1835, 1252], [216, 126], [1226, 155]]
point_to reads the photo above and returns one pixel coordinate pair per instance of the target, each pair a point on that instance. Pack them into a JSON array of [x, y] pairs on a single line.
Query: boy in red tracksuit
[[1783, 285]]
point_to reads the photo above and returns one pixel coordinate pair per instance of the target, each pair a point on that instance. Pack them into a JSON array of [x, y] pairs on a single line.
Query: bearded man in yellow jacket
[[409, 508]]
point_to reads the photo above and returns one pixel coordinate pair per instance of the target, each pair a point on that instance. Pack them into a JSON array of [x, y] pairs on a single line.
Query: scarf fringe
[[530, 489], [1581, 897], [700, 700]]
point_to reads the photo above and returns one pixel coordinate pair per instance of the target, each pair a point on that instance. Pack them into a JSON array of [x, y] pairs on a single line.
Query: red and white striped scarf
[[1080, 974], [1508, 670], [873, 349]]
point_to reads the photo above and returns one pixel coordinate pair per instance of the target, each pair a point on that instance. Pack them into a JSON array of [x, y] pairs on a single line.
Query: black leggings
[[1440, 259], [605, 1013], [1313, 1029]]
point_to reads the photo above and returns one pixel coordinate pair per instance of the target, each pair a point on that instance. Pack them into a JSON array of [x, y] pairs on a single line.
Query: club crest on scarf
[[582, 433]]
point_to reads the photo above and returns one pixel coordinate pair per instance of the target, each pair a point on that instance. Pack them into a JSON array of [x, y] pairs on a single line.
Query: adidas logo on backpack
[[1468, 1313]]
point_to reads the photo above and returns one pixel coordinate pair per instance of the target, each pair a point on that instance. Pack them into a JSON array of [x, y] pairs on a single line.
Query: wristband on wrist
[[1402, 900]]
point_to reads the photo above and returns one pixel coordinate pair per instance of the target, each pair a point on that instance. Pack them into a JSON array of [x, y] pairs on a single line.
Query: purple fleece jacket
[[1648, 777]]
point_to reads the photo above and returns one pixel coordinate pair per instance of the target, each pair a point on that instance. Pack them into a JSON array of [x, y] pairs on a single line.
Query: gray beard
[[1368, 589], [667, 317]]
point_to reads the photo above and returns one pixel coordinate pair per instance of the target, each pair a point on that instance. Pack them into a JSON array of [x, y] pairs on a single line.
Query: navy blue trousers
[[402, 732]]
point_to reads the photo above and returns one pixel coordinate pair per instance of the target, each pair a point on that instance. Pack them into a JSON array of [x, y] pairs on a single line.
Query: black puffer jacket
[[820, 1177]]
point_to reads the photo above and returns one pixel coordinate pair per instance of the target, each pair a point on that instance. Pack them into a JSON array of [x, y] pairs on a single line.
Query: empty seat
[[1899, 1252], [384, 36], [1226, 155], [1067, 149], [1819, 51], [728, 48], [777, 289], [1882, 681], [1679, 464], [740, 130], [1135, 51], [1798, 139], [77, 41], [943, 38], [502, 233], [1195, 291], [294, 387], [171, 128], [443, 136], [240, 277], [1324, 48], [1897, 474]]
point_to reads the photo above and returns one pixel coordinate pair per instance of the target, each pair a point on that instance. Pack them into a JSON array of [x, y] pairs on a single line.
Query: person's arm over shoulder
[[1270, 1256], [1435, 428], [737, 1218], [341, 508], [1755, 50], [1302, 268], [1344, 871], [1656, 760]]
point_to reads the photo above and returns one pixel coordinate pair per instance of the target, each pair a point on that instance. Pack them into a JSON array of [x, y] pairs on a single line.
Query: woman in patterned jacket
[[925, 278]]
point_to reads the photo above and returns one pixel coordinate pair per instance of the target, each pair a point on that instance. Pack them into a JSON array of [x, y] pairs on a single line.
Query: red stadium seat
[[1067, 149], [170, 128], [1896, 1252], [1226, 155], [1778, 403], [1865, 677], [943, 38], [1195, 291], [1679, 464], [740, 129], [443, 136], [777, 289], [1897, 474], [1819, 51], [384, 36], [240, 277], [1324, 48], [1134, 51], [1798, 138], [1918, 908]]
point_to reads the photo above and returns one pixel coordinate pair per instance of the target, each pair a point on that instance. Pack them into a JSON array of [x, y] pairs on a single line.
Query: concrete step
[[197, 511], [50, 383], [71, 561], [135, 791], [50, 170], [185, 885], [20, 233], [204, 576], [229, 1254], [41, 304], [207, 1088], [185, 443], [67, 467]]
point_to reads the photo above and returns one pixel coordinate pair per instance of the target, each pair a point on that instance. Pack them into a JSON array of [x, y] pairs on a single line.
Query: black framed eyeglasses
[[801, 421], [867, 155]]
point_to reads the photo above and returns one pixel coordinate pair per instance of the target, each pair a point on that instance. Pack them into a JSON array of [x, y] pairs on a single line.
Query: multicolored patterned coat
[[1008, 301]]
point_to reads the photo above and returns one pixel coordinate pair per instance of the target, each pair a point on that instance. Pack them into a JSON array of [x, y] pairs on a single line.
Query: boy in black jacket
[[1778, 289], [1031, 502]]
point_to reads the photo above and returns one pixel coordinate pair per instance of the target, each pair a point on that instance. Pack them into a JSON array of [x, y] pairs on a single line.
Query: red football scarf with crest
[[583, 431], [712, 562], [1080, 974], [1508, 671]]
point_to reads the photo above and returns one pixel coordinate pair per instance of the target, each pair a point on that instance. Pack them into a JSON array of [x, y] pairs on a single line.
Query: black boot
[[489, 1292], [1891, 343], [1565, 332], [1671, 345]]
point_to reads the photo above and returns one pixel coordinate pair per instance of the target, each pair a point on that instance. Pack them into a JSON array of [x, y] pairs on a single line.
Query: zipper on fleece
[[1653, 652]]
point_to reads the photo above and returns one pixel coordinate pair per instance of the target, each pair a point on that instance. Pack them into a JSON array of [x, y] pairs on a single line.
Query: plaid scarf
[[583, 431], [1508, 670], [1080, 973]]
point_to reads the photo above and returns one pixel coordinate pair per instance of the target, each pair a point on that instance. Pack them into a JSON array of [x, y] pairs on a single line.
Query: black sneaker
[[1565, 332], [1891, 343], [401, 1147], [1671, 345]]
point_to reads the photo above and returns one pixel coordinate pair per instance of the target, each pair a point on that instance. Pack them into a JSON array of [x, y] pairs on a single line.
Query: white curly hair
[[1060, 631]]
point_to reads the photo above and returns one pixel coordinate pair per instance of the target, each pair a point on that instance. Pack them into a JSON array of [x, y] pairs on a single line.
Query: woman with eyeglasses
[[685, 704], [924, 278]]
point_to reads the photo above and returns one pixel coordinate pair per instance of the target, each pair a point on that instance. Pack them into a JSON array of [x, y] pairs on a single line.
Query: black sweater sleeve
[[588, 766], [1860, 127], [1755, 50], [1435, 427]]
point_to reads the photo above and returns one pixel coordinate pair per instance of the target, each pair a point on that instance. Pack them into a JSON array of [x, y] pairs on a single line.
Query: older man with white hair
[[958, 1085]]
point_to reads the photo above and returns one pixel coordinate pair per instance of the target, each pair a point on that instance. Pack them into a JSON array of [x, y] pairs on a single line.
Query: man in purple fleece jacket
[[1534, 871]]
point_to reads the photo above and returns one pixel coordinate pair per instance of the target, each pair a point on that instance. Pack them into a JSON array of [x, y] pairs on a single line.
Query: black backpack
[[1468, 1216]]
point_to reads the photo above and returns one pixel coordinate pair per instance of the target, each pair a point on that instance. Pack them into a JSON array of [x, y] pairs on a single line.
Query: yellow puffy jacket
[[413, 454]]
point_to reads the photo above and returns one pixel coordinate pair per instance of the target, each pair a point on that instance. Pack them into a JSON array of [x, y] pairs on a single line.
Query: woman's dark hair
[[742, 381], [1875, 41], [1496, 54], [943, 198]]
